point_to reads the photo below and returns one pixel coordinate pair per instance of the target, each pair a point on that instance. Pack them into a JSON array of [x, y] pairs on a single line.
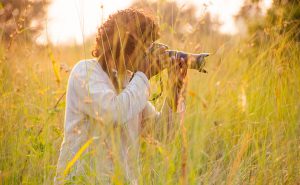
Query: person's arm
[[98, 99], [161, 123], [150, 113], [174, 104]]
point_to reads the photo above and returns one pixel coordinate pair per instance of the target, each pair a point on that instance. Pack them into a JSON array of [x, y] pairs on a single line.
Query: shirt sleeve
[[98, 99], [165, 115]]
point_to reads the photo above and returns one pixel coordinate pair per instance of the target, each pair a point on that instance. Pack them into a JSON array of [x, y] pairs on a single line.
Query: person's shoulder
[[85, 64], [87, 68]]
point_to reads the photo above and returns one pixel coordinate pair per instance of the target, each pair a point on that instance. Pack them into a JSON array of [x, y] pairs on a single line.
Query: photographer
[[107, 99]]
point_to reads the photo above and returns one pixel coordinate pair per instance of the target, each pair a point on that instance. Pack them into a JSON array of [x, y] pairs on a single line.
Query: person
[[107, 101]]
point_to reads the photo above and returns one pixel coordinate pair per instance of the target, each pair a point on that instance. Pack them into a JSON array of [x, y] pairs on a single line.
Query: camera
[[193, 60]]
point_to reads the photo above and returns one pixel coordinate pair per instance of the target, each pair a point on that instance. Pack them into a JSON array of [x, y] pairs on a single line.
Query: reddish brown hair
[[123, 32]]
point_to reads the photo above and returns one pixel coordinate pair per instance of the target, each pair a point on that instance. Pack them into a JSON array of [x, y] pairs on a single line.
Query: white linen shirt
[[92, 96]]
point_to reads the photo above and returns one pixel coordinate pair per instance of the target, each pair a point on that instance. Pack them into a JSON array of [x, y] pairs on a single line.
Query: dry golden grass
[[242, 124]]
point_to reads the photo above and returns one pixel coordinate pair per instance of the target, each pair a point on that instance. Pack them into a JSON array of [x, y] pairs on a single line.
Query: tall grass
[[242, 120]]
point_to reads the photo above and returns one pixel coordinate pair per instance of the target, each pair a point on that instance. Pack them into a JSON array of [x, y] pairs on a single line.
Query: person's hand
[[155, 55], [177, 81]]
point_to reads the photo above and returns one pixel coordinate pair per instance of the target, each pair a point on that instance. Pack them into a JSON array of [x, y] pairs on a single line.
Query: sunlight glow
[[72, 21]]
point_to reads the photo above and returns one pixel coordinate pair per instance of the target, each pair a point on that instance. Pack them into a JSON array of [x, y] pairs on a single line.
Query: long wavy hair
[[124, 36]]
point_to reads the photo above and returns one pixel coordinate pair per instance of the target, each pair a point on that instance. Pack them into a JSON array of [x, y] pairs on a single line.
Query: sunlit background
[[72, 21], [242, 118]]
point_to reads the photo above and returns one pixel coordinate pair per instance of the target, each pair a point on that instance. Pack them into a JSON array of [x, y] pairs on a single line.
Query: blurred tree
[[21, 18], [171, 16], [182, 25], [285, 17], [282, 17]]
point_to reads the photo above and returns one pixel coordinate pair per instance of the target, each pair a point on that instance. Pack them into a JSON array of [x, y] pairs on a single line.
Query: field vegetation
[[242, 124]]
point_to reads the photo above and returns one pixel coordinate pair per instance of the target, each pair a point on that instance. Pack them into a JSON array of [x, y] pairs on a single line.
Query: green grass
[[242, 124]]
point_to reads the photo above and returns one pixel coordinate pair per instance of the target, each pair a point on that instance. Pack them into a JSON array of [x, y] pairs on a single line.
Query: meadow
[[241, 126]]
